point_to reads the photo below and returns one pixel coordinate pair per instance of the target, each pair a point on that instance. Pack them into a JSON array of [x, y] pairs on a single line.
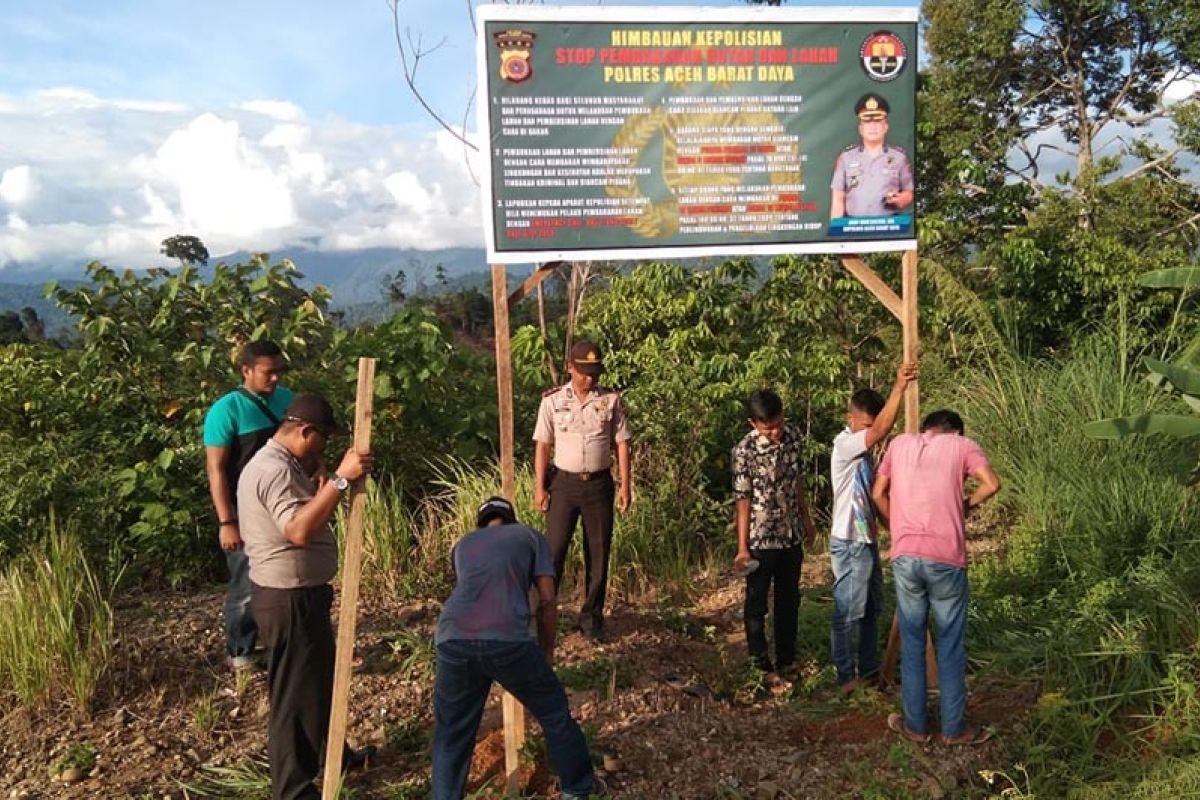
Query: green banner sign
[[617, 133]]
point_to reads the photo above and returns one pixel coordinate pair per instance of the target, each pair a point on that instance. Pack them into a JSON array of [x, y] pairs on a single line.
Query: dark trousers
[[570, 499], [465, 672], [781, 568], [294, 626]]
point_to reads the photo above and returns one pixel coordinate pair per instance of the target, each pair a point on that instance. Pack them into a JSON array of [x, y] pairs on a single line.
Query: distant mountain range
[[357, 278]]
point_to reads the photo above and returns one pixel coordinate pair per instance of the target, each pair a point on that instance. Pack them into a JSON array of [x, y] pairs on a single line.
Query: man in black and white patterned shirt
[[773, 523]]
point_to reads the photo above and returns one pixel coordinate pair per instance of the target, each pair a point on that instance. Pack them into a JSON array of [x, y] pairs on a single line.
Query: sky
[[253, 125]]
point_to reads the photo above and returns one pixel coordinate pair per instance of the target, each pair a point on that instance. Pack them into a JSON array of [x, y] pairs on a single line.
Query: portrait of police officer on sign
[[872, 178]]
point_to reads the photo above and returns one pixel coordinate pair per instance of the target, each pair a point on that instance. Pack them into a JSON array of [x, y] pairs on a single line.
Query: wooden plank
[[874, 284], [532, 282], [364, 407], [514, 713], [912, 342]]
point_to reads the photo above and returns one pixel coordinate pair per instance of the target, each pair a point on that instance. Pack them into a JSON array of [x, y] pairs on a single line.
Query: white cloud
[[17, 185], [109, 179], [276, 109], [1177, 91]]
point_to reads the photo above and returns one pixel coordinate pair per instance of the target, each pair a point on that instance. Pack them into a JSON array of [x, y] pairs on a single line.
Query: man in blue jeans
[[853, 542], [920, 491], [483, 636], [235, 428]]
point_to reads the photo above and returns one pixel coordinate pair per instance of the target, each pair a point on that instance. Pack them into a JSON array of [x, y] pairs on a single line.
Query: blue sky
[[251, 124]]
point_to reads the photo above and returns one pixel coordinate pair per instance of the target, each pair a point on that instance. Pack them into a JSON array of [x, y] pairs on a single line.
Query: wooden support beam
[[364, 406], [875, 284], [532, 282], [514, 713]]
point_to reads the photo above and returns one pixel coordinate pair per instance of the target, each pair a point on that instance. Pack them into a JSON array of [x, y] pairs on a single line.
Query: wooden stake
[[364, 406], [514, 713]]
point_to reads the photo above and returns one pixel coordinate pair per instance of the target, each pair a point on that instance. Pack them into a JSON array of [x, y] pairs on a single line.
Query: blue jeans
[[465, 671], [857, 604], [921, 585], [240, 630]]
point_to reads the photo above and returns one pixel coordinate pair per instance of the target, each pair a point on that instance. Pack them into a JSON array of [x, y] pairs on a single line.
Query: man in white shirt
[[854, 546]]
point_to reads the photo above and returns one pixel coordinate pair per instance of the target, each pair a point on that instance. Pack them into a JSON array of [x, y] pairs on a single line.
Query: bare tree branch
[[410, 61]]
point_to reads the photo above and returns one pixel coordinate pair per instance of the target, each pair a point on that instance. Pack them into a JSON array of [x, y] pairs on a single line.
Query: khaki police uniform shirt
[[272, 488], [867, 179], [582, 431]]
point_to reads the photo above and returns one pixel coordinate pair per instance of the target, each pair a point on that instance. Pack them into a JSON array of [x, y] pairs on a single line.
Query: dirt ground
[[666, 698]]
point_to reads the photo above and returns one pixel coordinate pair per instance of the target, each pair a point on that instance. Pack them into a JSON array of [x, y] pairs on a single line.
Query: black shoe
[[359, 759]]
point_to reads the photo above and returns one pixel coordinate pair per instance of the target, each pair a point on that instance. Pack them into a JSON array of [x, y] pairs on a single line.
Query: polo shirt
[[273, 487]]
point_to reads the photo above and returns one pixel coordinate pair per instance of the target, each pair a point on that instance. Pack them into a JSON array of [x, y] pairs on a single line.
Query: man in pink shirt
[[919, 490]]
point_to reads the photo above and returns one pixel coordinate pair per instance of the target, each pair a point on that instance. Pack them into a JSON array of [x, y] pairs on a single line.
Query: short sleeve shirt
[[925, 495], [494, 568], [867, 179], [238, 423], [767, 475], [583, 431], [273, 487], [851, 472]]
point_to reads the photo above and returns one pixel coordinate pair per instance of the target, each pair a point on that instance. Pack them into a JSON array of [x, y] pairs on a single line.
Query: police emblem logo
[[516, 47], [883, 56]]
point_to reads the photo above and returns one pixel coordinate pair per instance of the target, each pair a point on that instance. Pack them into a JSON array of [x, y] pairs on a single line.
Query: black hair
[[763, 405], [944, 420], [253, 351], [867, 401]]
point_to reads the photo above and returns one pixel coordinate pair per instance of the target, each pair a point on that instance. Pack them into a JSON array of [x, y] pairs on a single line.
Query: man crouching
[[483, 636]]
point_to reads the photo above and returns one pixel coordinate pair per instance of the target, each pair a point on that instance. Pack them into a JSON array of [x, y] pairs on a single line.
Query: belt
[[587, 476]]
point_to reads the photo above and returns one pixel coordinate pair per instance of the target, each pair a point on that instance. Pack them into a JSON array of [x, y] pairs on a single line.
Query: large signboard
[[623, 132]]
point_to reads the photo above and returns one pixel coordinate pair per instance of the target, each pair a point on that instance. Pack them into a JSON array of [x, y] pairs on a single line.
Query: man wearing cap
[[284, 514], [871, 179], [235, 427], [483, 636], [580, 423]]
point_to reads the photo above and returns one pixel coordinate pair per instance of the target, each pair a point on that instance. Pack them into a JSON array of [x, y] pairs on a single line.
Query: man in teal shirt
[[236, 426]]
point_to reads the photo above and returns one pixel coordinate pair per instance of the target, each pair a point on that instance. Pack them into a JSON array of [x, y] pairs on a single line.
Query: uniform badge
[[516, 47]]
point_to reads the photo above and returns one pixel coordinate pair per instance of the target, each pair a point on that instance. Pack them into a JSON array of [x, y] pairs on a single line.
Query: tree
[[185, 249], [1049, 181]]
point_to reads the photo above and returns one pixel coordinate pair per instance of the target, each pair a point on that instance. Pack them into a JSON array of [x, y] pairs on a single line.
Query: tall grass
[[56, 626], [1097, 591], [660, 541]]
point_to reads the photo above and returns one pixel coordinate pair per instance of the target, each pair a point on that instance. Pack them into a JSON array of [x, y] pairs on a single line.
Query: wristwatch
[[339, 483]]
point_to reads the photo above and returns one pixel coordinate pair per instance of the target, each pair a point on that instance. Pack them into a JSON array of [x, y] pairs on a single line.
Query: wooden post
[[912, 423], [351, 577], [514, 713], [911, 341]]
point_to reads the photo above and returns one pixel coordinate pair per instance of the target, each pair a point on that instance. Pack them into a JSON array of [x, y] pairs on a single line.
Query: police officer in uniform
[[873, 178], [582, 423]]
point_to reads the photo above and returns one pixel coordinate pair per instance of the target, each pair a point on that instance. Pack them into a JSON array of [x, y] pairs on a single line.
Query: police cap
[[871, 107]]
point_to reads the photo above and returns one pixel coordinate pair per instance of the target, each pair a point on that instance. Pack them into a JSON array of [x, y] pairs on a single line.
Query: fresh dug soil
[[666, 698]]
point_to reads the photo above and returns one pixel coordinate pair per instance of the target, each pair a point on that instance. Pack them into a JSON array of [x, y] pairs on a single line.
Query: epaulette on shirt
[[850, 147], [551, 391], [895, 147]]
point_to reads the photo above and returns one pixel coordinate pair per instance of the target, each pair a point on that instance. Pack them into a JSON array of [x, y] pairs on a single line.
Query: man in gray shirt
[[284, 515], [872, 179], [483, 636]]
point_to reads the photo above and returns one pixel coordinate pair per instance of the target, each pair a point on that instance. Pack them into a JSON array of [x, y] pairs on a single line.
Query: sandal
[[971, 736], [777, 685], [895, 722]]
